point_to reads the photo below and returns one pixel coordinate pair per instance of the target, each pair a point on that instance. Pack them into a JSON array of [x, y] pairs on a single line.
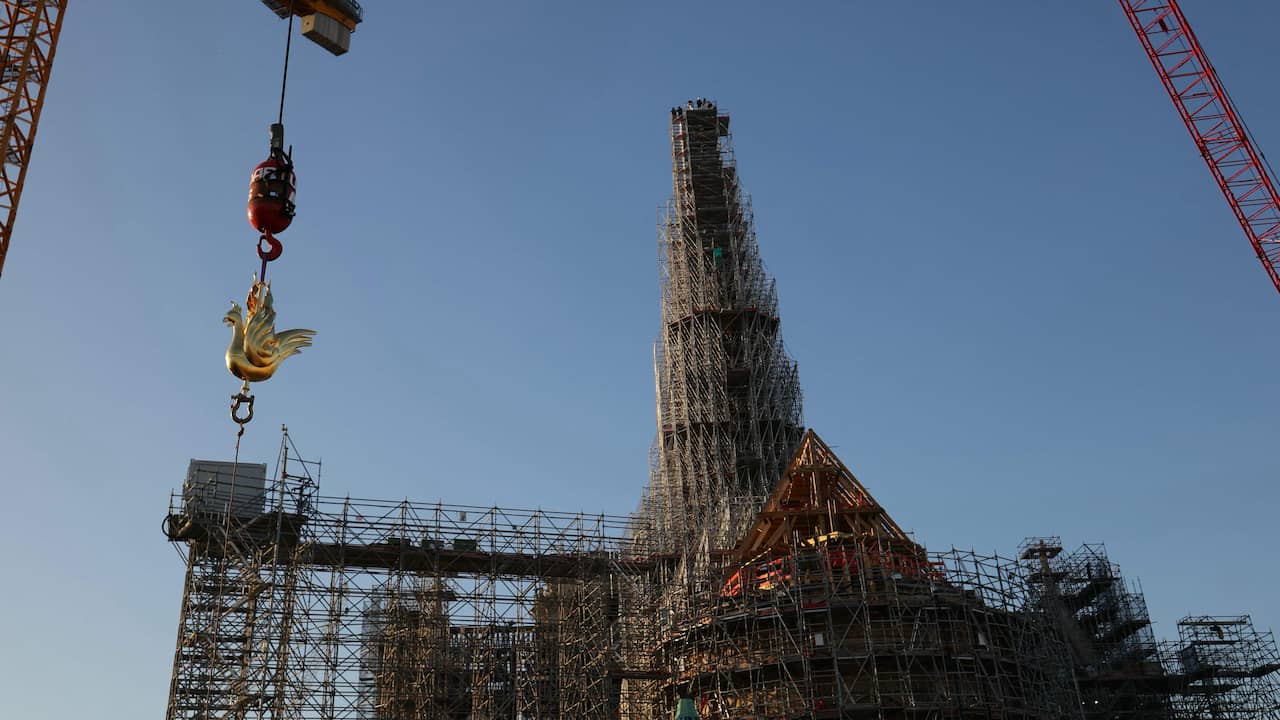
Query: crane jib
[[1204, 105]]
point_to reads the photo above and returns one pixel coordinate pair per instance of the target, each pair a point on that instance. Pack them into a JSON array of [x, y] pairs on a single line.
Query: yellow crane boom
[[29, 29]]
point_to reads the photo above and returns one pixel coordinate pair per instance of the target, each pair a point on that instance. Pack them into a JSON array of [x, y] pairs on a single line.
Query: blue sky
[[1018, 302]]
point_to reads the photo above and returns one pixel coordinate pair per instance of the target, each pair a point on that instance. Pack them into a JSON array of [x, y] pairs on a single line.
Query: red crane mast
[[1215, 125]]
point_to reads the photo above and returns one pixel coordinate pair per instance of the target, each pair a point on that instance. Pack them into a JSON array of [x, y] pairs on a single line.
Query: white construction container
[[212, 488]]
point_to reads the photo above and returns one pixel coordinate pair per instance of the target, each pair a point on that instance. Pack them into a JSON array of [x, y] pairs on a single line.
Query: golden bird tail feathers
[[291, 342]]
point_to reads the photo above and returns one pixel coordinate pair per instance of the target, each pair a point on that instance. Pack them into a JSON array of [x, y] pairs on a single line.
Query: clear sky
[[1019, 304]]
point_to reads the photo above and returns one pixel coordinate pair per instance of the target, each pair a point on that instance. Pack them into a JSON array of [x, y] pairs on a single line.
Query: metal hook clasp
[[272, 249], [238, 401]]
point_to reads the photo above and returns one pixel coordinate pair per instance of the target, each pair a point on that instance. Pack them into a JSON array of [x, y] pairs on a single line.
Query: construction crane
[[1239, 168], [30, 29], [327, 23]]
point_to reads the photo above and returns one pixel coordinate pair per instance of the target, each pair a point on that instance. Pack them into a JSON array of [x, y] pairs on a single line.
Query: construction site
[[756, 578], [752, 576]]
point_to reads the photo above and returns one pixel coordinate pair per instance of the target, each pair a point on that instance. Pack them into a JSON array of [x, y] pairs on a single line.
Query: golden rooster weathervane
[[256, 349]]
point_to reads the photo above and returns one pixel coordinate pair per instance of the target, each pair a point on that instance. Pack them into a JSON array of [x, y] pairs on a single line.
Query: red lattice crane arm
[[1216, 127], [29, 30]]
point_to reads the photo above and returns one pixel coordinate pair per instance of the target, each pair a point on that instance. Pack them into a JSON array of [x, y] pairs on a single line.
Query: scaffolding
[[1227, 669], [1105, 622], [728, 396], [298, 605], [826, 608], [834, 642]]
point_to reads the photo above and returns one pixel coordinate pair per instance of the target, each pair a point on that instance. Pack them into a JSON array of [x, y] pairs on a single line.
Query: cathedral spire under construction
[[728, 395]]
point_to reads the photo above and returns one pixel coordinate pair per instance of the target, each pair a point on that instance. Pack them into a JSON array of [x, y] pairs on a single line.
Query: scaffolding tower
[[297, 605], [1104, 619], [728, 395], [1228, 669]]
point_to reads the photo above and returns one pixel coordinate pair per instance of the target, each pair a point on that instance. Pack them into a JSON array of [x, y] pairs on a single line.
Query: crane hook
[[269, 253], [272, 249]]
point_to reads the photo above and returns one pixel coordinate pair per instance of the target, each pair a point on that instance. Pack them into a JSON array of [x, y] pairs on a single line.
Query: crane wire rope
[[284, 79]]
